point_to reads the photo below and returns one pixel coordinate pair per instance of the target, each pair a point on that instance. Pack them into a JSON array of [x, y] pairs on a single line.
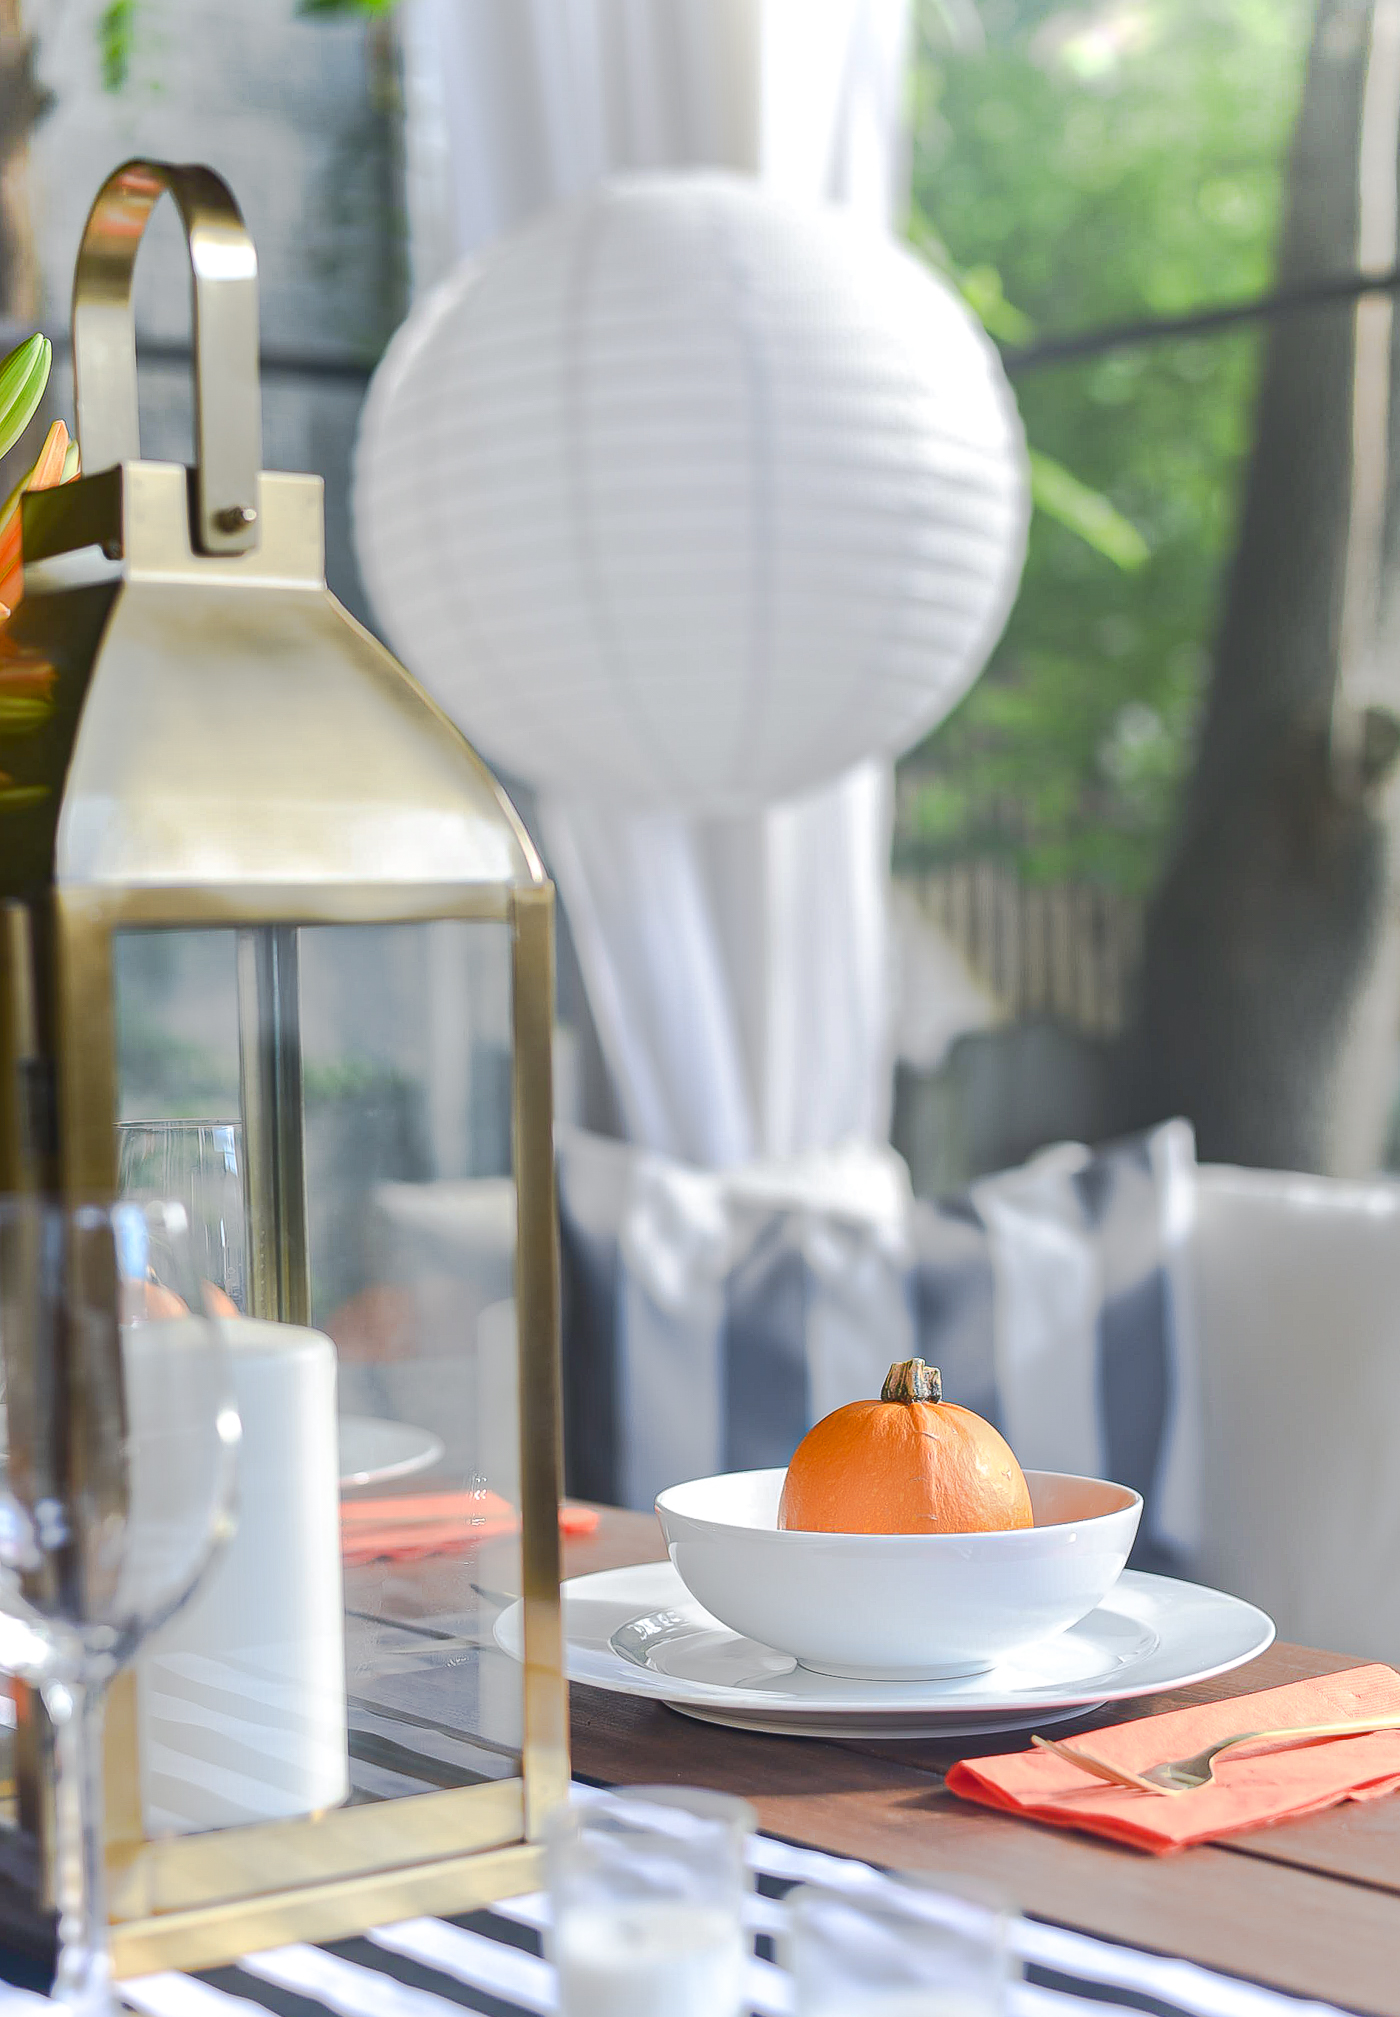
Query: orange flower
[[55, 465]]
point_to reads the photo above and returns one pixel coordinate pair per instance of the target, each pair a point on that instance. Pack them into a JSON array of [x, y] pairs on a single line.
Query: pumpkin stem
[[912, 1380]]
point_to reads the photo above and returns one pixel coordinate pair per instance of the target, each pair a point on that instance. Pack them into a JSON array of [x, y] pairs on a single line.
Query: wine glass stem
[[83, 1982]]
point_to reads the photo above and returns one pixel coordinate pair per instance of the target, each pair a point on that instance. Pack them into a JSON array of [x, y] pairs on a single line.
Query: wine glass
[[121, 1442], [198, 1164]]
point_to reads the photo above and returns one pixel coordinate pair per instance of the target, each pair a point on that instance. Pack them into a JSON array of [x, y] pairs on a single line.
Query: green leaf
[[980, 286], [23, 376], [346, 6], [21, 712], [982, 291], [1087, 513], [20, 797], [116, 36]]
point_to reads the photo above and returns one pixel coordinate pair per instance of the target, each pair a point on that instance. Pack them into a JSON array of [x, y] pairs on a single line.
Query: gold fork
[[1187, 1775]]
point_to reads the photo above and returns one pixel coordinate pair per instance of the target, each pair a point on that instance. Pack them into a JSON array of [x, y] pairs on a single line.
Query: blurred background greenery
[[1078, 169]]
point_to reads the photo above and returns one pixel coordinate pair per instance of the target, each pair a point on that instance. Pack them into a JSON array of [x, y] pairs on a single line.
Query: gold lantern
[[252, 876]]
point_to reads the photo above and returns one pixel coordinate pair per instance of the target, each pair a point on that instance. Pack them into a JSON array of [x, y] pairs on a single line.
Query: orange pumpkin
[[152, 1300], [909, 1463]]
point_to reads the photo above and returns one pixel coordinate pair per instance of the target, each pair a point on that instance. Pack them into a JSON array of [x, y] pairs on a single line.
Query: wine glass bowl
[[198, 1164], [121, 1438]]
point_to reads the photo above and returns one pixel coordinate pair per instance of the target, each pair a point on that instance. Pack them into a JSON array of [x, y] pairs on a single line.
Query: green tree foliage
[[1077, 168]]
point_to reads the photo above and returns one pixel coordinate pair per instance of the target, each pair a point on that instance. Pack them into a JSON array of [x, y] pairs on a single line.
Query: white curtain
[[737, 970], [516, 104]]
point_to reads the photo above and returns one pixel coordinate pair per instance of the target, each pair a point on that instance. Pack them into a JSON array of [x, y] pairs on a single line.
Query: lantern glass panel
[[404, 1247]]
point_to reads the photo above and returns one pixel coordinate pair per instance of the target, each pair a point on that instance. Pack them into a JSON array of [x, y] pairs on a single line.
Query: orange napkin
[[1250, 1790], [436, 1523]]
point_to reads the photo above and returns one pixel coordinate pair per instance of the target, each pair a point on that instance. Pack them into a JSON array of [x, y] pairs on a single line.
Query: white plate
[[639, 1631], [373, 1452]]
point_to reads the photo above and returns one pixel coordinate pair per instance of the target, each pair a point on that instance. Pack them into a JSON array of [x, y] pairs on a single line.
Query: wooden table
[[1310, 1906]]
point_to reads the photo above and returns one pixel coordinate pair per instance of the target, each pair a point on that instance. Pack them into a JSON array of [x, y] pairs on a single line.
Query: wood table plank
[[1309, 1906], [1281, 1664], [1358, 1842], [621, 1538]]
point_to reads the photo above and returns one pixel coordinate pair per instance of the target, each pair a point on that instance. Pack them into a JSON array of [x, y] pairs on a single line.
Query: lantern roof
[[233, 725]]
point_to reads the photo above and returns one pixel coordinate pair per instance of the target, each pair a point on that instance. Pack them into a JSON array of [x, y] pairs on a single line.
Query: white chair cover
[[715, 1315], [1299, 1286]]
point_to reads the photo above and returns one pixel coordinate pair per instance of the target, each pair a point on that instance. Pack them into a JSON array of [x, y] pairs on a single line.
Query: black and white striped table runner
[[493, 1962]]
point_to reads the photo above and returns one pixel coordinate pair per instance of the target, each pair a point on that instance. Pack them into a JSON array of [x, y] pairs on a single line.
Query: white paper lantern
[[688, 496]]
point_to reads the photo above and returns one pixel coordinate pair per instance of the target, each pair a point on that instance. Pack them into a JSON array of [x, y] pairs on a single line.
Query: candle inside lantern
[[906, 1949], [648, 1894], [665, 1959], [878, 2002]]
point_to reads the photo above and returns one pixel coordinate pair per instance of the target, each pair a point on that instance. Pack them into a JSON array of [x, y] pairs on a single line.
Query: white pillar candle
[[241, 1698], [663, 1958]]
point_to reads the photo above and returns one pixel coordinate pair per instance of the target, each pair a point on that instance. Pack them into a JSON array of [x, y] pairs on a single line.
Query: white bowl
[[897, 1607]]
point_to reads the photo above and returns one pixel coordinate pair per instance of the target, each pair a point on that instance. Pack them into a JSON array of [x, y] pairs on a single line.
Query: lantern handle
[[227, 404]]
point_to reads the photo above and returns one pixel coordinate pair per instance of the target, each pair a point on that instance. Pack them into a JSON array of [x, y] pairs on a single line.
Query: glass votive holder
[[909, 1947], [647, 1892]]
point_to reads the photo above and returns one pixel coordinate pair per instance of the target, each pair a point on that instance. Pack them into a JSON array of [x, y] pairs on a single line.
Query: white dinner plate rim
[[424, 1453], [1152, 1673], [860, 1723]]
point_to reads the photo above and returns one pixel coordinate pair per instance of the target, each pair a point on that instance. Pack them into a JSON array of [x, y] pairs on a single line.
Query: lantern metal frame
[[208, 559]]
